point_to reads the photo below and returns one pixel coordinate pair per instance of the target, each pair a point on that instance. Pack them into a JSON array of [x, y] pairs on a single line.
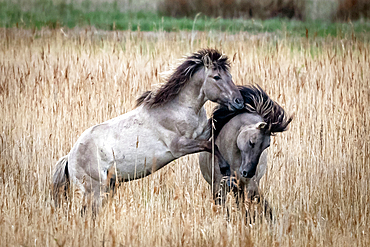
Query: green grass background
[[113, 16]]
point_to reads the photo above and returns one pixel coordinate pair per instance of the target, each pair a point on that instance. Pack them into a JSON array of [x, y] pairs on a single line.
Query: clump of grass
[[54, 84]]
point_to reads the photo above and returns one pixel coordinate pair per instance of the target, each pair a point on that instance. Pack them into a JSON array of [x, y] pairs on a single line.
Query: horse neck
[[249, 119], [226, 141], [192, 96]]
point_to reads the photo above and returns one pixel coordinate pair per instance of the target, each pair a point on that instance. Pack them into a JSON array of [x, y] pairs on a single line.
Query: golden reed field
[[54, 84]]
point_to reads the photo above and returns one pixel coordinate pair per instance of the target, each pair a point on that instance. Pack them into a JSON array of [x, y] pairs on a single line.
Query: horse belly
[[135, 152], [129, 145], [142, 161]]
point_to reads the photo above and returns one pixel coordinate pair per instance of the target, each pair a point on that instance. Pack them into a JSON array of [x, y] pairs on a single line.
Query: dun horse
[[242, 136], [166, 124]]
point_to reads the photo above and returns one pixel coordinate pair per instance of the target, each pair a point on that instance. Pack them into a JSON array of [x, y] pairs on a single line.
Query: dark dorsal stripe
[[255, 101], [182, 75]]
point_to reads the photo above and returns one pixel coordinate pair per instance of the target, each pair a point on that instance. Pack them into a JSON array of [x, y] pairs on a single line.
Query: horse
[[242, 137], [166, 124]]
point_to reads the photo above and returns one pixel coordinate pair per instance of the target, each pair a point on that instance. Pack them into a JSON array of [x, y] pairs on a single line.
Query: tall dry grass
[[53, 85]]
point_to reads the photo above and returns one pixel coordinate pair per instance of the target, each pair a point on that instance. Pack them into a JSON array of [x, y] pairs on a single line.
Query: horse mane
[[255, 101], [182, 74]]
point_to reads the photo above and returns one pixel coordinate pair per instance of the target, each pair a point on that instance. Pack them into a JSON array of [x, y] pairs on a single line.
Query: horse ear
[[261, 125], [207, 61]]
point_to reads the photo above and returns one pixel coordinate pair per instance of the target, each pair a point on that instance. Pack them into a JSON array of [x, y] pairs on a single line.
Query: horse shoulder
[[172, 121], [203, 131], [226, 142], [193, 125]]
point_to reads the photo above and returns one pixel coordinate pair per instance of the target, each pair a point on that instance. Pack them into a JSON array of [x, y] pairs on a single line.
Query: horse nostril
[[239, 103], [245, 174]]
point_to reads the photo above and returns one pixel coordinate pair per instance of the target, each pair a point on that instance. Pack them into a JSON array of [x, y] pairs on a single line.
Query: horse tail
[[144, 97], [61, 180]]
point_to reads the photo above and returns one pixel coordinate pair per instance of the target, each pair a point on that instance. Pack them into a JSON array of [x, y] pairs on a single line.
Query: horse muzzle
[[248, 173], [236, 104]]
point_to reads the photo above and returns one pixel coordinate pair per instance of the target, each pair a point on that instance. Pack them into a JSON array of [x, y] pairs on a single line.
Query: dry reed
[[54, 84]]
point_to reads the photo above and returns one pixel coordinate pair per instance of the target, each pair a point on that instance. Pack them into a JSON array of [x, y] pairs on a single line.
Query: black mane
[[255, 101], [182, 75]]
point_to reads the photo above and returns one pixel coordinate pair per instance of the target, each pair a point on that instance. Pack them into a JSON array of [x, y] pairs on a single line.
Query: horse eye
[[216, 77], [251, 144]]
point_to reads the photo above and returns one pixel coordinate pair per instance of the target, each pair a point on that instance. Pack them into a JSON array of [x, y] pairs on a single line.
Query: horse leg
[[257, 201], [267, 209], [91, 190], [223, 187], [182, 146], [258, 210], [86, 170], [222, 163], [252, 190], [212, 174], [93, 198]]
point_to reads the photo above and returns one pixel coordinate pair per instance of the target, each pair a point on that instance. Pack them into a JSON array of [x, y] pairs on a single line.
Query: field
[[142, 15], [54, 84]]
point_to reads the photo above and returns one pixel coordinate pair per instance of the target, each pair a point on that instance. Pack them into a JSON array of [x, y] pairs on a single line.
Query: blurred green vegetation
[[46, 13]]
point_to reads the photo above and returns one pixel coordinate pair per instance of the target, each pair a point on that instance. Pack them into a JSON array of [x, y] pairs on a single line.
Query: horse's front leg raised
[[181, 146]]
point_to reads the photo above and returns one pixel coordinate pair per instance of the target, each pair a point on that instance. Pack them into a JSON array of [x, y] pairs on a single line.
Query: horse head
[[252, 141], [219, 87]]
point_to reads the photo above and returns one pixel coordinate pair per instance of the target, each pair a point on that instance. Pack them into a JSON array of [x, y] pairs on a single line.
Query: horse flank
[[182, 74], [256, 101]]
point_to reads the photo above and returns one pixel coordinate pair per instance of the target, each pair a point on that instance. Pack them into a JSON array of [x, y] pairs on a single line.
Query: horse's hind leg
[[112, 182], [92, 191], [98, 190]]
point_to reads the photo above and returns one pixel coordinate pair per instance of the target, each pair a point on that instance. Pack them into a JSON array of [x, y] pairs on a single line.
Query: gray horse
[[166, 124], [242, 137]]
